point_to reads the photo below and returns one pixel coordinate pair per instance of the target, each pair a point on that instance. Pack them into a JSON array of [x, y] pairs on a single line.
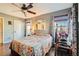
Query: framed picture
[[9, 23]]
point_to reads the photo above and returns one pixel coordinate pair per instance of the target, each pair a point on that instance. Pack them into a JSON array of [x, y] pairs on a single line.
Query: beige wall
[[47, 18]]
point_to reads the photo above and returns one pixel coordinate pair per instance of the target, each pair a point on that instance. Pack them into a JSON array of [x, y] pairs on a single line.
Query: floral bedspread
[[32, 45]]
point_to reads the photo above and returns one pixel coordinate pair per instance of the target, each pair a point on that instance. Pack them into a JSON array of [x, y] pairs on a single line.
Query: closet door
[[18, 29]]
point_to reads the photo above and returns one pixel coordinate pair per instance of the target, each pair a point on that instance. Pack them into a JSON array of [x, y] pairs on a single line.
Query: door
[[1, 31], [28, 29], [18, 29]]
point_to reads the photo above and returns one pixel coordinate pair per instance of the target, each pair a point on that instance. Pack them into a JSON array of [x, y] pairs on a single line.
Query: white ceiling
[[39, 8]]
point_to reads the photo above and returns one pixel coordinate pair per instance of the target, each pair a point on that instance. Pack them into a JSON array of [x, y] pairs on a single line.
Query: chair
[[62, 49]]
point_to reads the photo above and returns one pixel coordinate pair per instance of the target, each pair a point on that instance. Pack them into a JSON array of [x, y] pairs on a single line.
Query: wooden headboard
[[40, 32]]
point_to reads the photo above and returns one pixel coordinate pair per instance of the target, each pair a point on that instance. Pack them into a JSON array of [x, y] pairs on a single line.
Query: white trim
[[3, 29]]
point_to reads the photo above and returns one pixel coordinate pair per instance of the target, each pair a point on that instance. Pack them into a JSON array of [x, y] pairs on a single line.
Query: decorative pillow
[[40, 32]]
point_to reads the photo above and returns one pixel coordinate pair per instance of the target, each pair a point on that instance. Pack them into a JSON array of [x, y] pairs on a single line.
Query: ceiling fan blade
[[31, 12], [30, 6], [24, 5], [16, 5], [23, 13]]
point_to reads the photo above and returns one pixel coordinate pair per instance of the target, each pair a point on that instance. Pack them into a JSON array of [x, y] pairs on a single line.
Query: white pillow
[[40, 32]]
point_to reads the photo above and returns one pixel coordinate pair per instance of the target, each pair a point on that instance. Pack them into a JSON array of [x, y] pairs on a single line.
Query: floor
[[5, 51]]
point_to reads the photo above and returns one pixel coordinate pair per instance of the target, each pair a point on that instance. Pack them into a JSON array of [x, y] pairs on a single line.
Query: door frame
[[3, 30]]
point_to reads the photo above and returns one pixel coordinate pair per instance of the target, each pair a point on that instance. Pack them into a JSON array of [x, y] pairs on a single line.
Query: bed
[[33, 45]]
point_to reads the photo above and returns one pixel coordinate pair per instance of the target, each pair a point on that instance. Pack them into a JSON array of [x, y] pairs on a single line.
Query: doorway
[[1, 31], [28, 28]]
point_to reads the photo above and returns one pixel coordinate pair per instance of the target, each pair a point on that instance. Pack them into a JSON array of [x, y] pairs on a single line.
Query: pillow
[[40, 32]]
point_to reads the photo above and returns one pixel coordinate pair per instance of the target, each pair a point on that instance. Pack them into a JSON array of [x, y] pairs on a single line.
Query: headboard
[[40, 32]]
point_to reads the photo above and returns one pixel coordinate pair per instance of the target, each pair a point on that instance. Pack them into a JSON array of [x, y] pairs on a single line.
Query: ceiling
[[39, 8]]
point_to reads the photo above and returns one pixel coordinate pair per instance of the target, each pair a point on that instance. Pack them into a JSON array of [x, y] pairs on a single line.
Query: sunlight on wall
[[38, 25]]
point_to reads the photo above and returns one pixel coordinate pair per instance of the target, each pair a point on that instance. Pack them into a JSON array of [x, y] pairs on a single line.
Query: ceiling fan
[[25, 8]]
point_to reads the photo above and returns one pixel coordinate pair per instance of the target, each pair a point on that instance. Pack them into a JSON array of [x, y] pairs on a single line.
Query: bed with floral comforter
[[32, 45]]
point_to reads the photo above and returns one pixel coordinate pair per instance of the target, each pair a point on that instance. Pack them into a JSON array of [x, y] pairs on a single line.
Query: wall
[[48, 19], [9, 29]]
